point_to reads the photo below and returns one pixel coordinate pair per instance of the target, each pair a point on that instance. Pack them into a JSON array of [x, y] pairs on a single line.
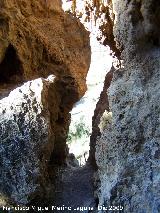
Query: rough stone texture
[[127, 153], [102, 105], [44, 40], [37, 39], [26, 140]]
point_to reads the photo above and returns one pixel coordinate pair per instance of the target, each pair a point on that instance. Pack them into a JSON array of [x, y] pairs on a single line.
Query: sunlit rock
[[26, 140], [127, 151]]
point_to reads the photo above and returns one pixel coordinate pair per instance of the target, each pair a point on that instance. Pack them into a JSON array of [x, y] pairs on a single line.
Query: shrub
[[80, 130]]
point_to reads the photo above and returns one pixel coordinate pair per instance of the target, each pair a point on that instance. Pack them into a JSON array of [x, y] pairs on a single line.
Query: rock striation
[[44, 59], [127, 153]]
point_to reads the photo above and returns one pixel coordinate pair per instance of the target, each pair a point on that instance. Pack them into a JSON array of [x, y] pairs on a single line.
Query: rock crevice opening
[[49, 51], [11, 70]]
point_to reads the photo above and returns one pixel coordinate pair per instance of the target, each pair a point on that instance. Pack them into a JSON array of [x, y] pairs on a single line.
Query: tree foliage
[[80, 130]]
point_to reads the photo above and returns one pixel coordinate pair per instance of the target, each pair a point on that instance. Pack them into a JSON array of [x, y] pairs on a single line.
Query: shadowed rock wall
[[37, 40], [102, 105], [127, 152]]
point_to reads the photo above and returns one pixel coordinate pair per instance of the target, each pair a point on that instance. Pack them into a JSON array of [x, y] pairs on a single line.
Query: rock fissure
[[44, 59]]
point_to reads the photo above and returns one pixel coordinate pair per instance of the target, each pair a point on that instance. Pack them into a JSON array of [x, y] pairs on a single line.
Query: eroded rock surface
[[102, 105], [27, 140], [37, 40], [44, 40], [127, 153]]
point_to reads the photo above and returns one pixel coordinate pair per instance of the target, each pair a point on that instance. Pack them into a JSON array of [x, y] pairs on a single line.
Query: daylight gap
[[81, 115]]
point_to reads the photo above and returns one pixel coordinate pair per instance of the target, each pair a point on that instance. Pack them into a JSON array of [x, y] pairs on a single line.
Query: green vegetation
[[80, 130]]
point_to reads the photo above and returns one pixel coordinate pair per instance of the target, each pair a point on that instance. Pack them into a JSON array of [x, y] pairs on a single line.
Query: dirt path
[[75, 190]]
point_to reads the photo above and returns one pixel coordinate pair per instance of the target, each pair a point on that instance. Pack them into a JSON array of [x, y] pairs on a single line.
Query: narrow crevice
[[102, 105], [11, 71]]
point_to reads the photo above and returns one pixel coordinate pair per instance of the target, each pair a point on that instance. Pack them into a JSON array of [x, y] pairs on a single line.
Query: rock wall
[[127, 152], [44, 40], [101, 106], [27, 139], [37, 40]]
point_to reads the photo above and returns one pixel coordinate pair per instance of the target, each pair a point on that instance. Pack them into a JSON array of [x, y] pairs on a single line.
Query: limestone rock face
[[37, 40], [127, 153], [26, 140], [43, 40]]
